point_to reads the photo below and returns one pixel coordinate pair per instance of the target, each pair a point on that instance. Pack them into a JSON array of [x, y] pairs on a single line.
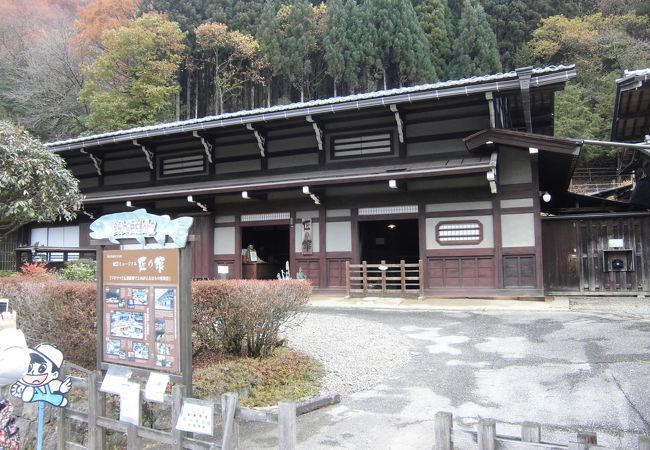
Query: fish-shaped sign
[[139, 225]]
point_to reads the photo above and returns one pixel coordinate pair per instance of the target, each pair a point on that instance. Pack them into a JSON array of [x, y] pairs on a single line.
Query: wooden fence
[[486, 437], [227, 413], [382, 279]]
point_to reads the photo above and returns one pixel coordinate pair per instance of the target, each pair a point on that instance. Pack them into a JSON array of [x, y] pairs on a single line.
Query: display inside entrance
[[141, 308]]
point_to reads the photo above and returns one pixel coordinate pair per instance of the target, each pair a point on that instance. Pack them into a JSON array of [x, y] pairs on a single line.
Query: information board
[[140, 308]]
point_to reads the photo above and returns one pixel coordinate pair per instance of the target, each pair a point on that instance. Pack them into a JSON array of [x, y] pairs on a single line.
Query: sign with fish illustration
[[140, 225], [140, 290]]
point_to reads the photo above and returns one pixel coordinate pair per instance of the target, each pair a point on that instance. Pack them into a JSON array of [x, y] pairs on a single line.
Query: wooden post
[[347, 277], [588, 438], [421, 277], [383, 278], [365, 277], [531, 432], [644, 442], [178, 391], [402, 270], [443, 425], [486, 429], [132, 441], [61, 429], [96, 408], [230, 435], [287, 425]]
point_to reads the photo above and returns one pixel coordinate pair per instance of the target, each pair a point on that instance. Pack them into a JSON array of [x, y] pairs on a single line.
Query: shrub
[[284, 375], [6, 273], [36, 270], [244, 317], [80, 270], [56, 312]]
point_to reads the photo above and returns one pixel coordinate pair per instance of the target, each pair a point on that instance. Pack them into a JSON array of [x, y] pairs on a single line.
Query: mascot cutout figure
[[41, 383]]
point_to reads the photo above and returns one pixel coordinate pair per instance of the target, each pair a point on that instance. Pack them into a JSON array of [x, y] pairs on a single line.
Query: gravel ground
[[356, 354]]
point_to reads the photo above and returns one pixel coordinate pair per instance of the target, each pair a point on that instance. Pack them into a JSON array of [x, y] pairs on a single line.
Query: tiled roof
[[176, 127]]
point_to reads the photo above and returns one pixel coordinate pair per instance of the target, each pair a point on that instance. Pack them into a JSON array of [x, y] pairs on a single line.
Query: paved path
[[570, 371]]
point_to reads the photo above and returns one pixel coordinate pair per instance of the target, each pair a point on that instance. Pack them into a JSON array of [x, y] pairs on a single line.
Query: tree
[[235, 58], [434, 17], [601, 47], [133, 80], [35, 185], [102, 15], [402, 46], [475, 47]]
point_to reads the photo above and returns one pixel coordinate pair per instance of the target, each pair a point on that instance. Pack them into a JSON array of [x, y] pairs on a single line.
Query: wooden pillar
[[178, 392], [402, 272], [530, 432], [364, 274], [443, 427], [486, 429], [238, 274], [347, 277], [539, 268], [322, 225], [354, 235], [422, 245], [229, 440], [292, 244], [287, 425], [498, 249]]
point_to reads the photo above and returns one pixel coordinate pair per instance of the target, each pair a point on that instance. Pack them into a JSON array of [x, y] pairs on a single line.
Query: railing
[[227, 414], [382, 279], [486, 438]]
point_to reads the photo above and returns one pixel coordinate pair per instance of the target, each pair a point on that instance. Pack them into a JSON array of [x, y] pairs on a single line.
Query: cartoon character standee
[[41, 383]]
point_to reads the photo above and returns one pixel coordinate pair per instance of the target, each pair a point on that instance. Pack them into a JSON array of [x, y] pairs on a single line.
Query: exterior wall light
[[546, 197]]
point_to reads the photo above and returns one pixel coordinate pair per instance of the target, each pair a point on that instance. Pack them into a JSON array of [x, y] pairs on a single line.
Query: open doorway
[[390, 241], [270, 244]]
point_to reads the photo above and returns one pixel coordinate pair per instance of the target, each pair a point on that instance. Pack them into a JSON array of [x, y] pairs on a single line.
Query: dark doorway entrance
[[271, 245], [389, 240]]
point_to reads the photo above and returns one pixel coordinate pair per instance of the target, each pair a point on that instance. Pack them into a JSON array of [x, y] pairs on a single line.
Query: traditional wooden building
[[449, 174], [600, 244]]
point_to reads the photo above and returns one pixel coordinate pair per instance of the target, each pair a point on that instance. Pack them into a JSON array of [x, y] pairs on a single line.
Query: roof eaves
[[497, 82]]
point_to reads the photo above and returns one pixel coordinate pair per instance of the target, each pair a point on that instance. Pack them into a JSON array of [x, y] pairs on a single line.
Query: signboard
[[307, 236], [141, 308]]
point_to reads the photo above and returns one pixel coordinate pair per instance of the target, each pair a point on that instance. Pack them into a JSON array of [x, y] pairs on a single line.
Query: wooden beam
[[318, 130], [260, 137], [400, 123], [96, 160]]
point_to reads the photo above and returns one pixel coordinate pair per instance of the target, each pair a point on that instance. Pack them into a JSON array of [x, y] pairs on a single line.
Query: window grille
[[265, 217], [367, 145], [182, 165], [459, 233], [408, 209]]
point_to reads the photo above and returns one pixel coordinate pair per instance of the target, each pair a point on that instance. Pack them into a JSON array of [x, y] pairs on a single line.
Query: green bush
[[244, 317], [6, 273], [80, 270]]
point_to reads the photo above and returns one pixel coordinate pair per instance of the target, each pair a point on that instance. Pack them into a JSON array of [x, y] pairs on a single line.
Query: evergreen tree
[[475, 48], [402, 46], [434, 20]]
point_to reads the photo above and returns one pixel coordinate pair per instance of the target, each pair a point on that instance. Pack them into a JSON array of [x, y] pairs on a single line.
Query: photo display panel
[[141, 308]]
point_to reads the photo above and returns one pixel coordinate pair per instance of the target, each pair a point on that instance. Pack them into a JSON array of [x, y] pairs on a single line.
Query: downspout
[[524, 75]]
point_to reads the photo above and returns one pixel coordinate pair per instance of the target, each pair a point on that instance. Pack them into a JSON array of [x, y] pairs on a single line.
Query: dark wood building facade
[[449, 173]]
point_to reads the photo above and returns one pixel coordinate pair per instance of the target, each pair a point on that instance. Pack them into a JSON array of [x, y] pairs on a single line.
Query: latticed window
[[459, 233]]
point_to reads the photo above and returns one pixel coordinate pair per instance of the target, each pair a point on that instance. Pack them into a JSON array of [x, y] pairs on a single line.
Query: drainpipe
[[524, 74]]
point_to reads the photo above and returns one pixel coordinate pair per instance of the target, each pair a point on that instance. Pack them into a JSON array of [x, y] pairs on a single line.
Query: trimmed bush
[[244, 317], [80, 270], [56, 312], [240, 317]]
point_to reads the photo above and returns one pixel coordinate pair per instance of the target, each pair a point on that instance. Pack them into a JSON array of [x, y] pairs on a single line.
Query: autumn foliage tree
[[133, 81]]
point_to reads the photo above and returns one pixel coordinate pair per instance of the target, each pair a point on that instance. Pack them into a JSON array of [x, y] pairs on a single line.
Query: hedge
[[241, 317]]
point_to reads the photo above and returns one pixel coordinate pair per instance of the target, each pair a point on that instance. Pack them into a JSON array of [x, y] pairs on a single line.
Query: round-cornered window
[[466, 232]]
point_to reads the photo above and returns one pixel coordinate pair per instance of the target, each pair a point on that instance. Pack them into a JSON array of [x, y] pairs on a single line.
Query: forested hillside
[[71, 67]]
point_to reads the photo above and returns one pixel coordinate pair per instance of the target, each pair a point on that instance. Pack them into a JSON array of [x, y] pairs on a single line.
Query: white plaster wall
[[315, 236], [338, 236], [224, 241], [518, 230], [307, 215], [514, 166], [338, 213], [488, 232], [517, 203], [464, 206], [224, 219]]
